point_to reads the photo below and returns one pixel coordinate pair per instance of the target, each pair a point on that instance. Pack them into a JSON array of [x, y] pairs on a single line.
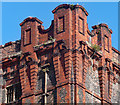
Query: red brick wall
[[77, 72]]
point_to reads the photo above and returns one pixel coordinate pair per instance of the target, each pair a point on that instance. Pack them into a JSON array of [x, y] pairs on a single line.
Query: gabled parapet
[[29, 30], [71, 7], [102, 37], [31, 19], [102, 25]]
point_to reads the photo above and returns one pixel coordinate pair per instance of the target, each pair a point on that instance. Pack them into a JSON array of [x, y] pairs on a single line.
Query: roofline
[[116, 50], [31, 18], [102, 25], [69, 6], [9, 43]]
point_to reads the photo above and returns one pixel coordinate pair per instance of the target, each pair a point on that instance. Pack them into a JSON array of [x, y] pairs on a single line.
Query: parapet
[[71, 7], [31, 18], [102, 25]]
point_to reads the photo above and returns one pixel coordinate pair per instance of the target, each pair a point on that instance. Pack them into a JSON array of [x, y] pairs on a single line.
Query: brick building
[[65, 63]]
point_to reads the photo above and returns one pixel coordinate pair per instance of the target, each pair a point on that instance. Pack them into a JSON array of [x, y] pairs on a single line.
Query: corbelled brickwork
[[65, 63]]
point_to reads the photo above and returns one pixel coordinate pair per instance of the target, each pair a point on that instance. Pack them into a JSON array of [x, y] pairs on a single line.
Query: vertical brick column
[[79, 34], [68, 64], [63, 61], [56, 67], [29, 35], [85, 67], [111, 73], [110, 85], [80, 56], [102, 80], [22, 77]]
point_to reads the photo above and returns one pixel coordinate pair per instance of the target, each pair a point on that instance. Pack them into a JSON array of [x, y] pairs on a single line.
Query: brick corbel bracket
[[60, 48], [116, 66], [94, 54], [107, 59], [102, 25], [27, 58], [109, 68], [24, 55], [61, 44], [83, 48]]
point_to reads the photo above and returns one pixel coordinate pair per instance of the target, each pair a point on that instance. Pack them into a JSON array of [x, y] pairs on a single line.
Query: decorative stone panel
[[92, 81], [91, 99], [80, 94], [50, 98], [115, 97], [62, 95], [3, 96], [39, 99], [27, 101]]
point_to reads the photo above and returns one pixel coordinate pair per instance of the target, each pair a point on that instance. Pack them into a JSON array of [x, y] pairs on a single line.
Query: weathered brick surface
[[76, 71], [115, 56], [80, 95], [10, 48], [115, 93], [92, 81], [91, 99]]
